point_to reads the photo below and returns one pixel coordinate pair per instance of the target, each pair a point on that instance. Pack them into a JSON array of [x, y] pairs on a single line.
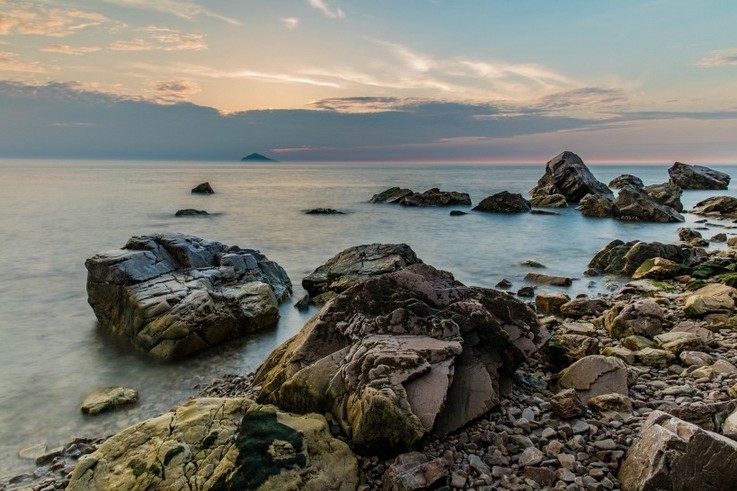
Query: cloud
[[586, 97], [330, 12], [11, 62], [414, 61], [180, 8], [34, 19], [174, 91], [70, 50], [719, 57], [290, 22], [163, 39]]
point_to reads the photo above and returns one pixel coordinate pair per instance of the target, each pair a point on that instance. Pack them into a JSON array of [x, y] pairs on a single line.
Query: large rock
[[635, 205], [595, 375], [624, 258], [643, 317], [595, 206], [224, 444], [671, 454], [355, 265], [171, 294], [402, 355], [436, 197], [667, 194], [714, 298], [504, 202], [566, 174], [626, 180], [689, 176], [717, 205], [657, 268], [391, 195]]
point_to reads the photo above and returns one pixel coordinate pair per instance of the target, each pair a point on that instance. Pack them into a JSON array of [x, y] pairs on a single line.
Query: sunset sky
[[465, 80]]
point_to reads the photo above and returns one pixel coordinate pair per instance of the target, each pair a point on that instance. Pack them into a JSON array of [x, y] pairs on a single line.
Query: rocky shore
[[406, 379]]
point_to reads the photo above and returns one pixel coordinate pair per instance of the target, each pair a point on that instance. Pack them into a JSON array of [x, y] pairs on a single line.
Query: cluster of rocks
[[567, 180]]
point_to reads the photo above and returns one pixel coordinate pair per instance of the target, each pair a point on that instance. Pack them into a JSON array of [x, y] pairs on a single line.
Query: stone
[[676, 342], [657, 268], [642, 318], [626, 179], [688, 176], [549, 201], [391, 195], [690, 326], [357, 264], [550, 303], [583, 328], [531, 456], [686, 234], [673, 454], [436, 197], [203, 188], [710, 299], [566, 404], [595, 206], [708, 416], [532, 263], [526, 291], [414, 471], [635, 205], [624, 258], [729, 428], [637, 343], [595, 375], [567, 174], [191, 212], [654, 357], [611, 402], [504, 202], [720, 237], [695, 358], [667, 194], [108, 399], [549, 279], [624, 354], [723, 206], [564, 349], [583, 307], [403, 355], [324, 211], [170, 294], [460, 213], [504, 283], [217, 443]]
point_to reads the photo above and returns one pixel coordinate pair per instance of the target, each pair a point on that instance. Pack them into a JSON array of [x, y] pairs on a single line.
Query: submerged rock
[[402, 355], [391, 195], [566, 174], [218, 443], [108, 399], [436, 197], [324, 211], [190, 212], [549, 201], [171, 294], [504, 202], [689, 176], [203, 188]]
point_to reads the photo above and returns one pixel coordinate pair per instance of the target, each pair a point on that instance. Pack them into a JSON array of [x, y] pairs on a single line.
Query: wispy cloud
[[719, 57], [161, 38], [70, 50], [586, 97], [412, 60], [180, 8], [174, 91], [209, 72], [290, 22], [330, 12], [36, 19], [11, 62]]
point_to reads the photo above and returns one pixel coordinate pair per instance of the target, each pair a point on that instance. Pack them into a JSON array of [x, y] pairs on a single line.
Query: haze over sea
[[58, 213]]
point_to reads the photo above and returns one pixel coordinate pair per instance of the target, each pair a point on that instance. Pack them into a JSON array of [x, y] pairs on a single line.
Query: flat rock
[[108, 399], [725, 206], [549, 279], [190, 212], [436, 197], [391, 195], [596, 375]]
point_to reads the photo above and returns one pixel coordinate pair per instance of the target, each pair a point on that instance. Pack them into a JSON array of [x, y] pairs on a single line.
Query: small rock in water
[[324, 211], [107, 399], [532, 263], [190, 212], [504, 283], [203, 188], [458, 213], [526, 291]]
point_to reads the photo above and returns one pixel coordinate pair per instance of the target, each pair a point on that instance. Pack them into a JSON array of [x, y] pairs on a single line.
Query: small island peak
[[257, 157]]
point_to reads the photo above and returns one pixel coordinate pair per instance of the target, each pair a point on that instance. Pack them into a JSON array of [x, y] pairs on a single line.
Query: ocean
[[55, 214]]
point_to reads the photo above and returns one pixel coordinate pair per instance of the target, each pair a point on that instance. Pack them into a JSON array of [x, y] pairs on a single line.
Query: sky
[[370, 80]]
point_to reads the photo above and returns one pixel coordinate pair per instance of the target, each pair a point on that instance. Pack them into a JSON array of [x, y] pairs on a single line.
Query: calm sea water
[[55, 214]]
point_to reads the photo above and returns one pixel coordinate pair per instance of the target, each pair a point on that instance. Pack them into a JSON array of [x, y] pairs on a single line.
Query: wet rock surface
[[567, 175], [688, 176]]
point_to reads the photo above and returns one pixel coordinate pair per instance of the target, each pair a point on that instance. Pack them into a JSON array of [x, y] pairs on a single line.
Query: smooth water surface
[[55, 214]]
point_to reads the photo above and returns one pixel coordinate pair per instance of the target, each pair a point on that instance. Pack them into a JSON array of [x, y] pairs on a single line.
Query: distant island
[[257, 157]]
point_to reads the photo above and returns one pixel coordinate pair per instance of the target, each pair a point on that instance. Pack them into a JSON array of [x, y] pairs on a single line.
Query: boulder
[[391, 195], [595, 206], [635, 205], [595, 375], [611, 402], [688, 176], [624, 258], [215, 443], [549, 279], [549, 201], [550, 303], [172, 294], [672, 454], [566, 404], [436, 197], [190, 212], [725, 206], [657, 268], [666, 194], [641, 318], [566, 174], [402, 355], [583, 307], [710, 299], [357, 264], [564, 349], [108, 399], [653, 357], [504, 202], [203, 188], [686, 234], [677, 342], [626, 180]]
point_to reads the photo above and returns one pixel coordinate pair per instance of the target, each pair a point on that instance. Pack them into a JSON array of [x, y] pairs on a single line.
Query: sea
[[56, 213]]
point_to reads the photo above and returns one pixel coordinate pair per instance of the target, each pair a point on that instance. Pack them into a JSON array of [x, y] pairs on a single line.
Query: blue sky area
[[483, 80]]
